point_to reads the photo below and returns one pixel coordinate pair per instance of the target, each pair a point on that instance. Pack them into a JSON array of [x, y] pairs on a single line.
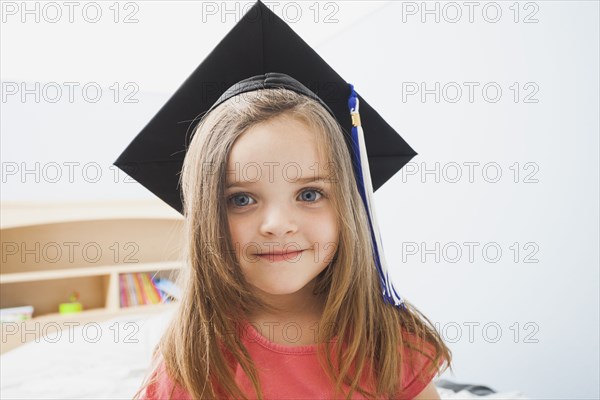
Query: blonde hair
[[198, 349]]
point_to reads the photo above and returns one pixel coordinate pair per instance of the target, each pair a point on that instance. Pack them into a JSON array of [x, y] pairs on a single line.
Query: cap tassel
[[365, 188]]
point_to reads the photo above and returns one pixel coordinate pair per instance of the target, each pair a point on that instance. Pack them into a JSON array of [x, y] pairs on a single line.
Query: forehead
[[281, 142]]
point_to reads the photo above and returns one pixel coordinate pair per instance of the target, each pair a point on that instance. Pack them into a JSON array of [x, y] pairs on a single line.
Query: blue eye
[[239, 196], [311, 190]]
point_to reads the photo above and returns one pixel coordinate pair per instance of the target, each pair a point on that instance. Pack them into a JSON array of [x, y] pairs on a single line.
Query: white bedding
[[103, 361]]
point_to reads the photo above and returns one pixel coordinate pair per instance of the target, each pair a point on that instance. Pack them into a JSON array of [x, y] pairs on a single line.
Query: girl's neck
[[301, 307], [302, 310]]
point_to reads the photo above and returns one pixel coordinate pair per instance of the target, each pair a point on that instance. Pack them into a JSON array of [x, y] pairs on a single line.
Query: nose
[[279, 220]]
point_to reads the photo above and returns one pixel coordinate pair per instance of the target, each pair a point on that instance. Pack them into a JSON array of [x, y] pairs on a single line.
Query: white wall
[[552, 304]]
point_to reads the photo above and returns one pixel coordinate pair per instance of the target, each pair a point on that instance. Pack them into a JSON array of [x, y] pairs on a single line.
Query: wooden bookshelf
[[51, 250]]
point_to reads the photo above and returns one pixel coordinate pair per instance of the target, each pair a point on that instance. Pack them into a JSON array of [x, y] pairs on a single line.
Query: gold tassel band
[[355, 119]]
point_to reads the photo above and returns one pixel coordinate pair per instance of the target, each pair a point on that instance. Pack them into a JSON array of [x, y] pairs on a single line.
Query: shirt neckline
[[251, 335]]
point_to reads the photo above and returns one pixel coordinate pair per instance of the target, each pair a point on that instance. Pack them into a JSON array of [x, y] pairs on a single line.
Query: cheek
[[326, 222], [243, 236], [324, 229]]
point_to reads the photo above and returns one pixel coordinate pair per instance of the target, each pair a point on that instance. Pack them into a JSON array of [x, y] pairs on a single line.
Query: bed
[[108, 360]]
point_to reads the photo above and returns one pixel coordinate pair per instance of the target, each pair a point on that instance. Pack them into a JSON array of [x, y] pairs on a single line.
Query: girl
[[281, 296]]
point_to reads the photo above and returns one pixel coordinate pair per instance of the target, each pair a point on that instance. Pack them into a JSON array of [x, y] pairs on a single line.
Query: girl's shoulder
[[162, 386], [418, 368]]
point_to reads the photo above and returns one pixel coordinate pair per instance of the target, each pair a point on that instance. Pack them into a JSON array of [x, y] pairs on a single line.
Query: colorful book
[[151, 289], [131, 290], [140, 288], [123, 291], [137, 290], [159, 293]]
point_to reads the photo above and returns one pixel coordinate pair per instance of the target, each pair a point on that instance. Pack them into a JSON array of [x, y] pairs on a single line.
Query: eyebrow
[[307, 179]]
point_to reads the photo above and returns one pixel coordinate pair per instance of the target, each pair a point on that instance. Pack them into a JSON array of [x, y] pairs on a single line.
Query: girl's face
[[275, 205]]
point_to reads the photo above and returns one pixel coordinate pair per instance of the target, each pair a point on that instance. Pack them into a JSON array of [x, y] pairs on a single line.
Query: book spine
[[159, 294], [131, 291], [138, 289], [128, 291], [141, 289], [149, 287], [123, 291]]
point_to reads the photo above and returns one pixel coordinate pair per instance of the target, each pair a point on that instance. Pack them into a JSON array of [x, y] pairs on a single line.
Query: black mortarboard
[[260, 46], [259, 43]]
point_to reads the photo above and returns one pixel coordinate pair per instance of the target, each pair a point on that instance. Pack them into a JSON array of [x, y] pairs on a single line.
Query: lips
[[281, 256]]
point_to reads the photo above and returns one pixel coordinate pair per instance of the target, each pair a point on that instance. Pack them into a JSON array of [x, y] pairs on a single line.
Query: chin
[[277, 288]]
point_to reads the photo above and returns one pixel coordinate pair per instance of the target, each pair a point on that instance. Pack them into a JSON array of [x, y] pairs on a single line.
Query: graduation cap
[[261, 52]]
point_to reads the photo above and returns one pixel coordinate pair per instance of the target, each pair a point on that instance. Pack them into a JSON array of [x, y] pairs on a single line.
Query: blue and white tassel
[[365, 188]]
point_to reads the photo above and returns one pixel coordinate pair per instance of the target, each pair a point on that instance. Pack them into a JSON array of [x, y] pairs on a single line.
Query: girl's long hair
[[199, 351]]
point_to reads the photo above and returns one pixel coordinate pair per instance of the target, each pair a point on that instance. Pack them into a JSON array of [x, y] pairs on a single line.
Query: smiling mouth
[[274, 257]]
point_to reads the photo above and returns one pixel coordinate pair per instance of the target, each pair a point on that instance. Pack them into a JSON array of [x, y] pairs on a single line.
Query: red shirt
[[292, 372]]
